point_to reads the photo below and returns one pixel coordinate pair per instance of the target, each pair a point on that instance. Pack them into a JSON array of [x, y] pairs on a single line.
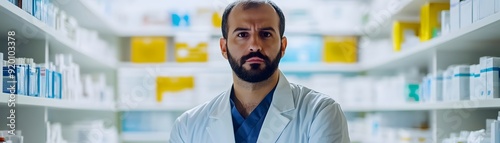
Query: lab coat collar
[[220, 125]]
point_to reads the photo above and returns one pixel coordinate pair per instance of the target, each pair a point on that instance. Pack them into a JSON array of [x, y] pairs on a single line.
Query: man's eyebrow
[[240, 29], [268, 28], [247, 29]]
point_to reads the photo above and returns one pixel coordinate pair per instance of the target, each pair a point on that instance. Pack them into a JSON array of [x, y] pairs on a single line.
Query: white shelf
[[320, 67], [56, 103], [145, 136], [162, 31], [15, 18], [154, 107], [88, 15], [176, 67], [285, 67], [323, 32], [406, 10], [465, 39], [170, 32], [493, 103]]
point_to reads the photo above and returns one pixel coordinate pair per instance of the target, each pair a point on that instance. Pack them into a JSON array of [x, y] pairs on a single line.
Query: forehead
[[253, 15]]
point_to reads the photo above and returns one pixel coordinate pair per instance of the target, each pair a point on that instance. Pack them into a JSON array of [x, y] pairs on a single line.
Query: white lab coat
[[297, 115]]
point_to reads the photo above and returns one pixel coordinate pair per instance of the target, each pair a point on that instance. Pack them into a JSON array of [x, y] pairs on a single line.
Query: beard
[[255, 73]]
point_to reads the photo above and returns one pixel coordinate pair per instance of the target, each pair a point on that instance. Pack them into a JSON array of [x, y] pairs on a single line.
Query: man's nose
[[255, 43]]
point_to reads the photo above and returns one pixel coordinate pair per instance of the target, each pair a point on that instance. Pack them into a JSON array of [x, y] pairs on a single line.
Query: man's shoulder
[[201, 110], [305, 96]]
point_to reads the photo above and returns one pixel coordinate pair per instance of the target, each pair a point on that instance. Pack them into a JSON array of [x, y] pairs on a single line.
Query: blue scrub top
[[247, 130]]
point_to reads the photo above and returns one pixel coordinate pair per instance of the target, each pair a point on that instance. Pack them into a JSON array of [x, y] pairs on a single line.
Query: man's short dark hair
[[247, 4]]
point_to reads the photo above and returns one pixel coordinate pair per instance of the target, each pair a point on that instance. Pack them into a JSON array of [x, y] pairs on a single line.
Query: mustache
[[254, 54]]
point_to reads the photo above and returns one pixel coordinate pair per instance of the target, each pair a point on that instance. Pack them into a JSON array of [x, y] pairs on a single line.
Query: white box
[[486, 8], [472, 82], [495, 131], [465, 13], [481, 81], [425, 89], [445, 22], [447, 84], [437, 87], [475, 10], [460, 83], [492, 78], [454, 15]]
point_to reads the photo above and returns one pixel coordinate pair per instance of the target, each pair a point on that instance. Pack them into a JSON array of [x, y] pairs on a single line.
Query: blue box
[[43, 81], [50, 83], [303, 49], [57, 85], [37, 9], [33, 82], [22, 80], [180, 20]]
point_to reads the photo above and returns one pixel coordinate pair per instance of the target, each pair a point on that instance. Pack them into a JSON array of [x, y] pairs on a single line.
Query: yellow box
[[187, 53], [148, 49], [340, 49], [398, 29], [429, 22], [172, 84], [216, 20]]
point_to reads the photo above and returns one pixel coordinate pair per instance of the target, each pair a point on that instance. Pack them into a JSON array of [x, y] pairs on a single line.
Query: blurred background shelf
[[381, 23], [145, 137], [163, 31], [225, 67], [477, 104], [155, 107], [171, 32], [22, 100], [31, 27], [465, 39], [89, 15], [344, 49], [320, 67]]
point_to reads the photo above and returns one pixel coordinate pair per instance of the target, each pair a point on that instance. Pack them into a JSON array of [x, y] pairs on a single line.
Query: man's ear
[[284, 43], [223, 48]]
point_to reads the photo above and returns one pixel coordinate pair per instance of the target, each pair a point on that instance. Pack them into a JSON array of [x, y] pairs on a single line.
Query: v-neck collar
[[246, 127]]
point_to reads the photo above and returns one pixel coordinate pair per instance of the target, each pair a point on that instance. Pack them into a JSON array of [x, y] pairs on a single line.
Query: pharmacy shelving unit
[[22, 100], [477, 104], [381, 23], [32, 114], [483, 33], [87, 13], [464, 46], [37, 40]]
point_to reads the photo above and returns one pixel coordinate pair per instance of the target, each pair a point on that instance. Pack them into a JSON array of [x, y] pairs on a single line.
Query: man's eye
[[266, 34], [243, 34]]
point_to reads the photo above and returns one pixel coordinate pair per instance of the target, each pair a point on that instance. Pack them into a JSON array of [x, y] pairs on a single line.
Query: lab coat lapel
[[220, 124], [278, 115]]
